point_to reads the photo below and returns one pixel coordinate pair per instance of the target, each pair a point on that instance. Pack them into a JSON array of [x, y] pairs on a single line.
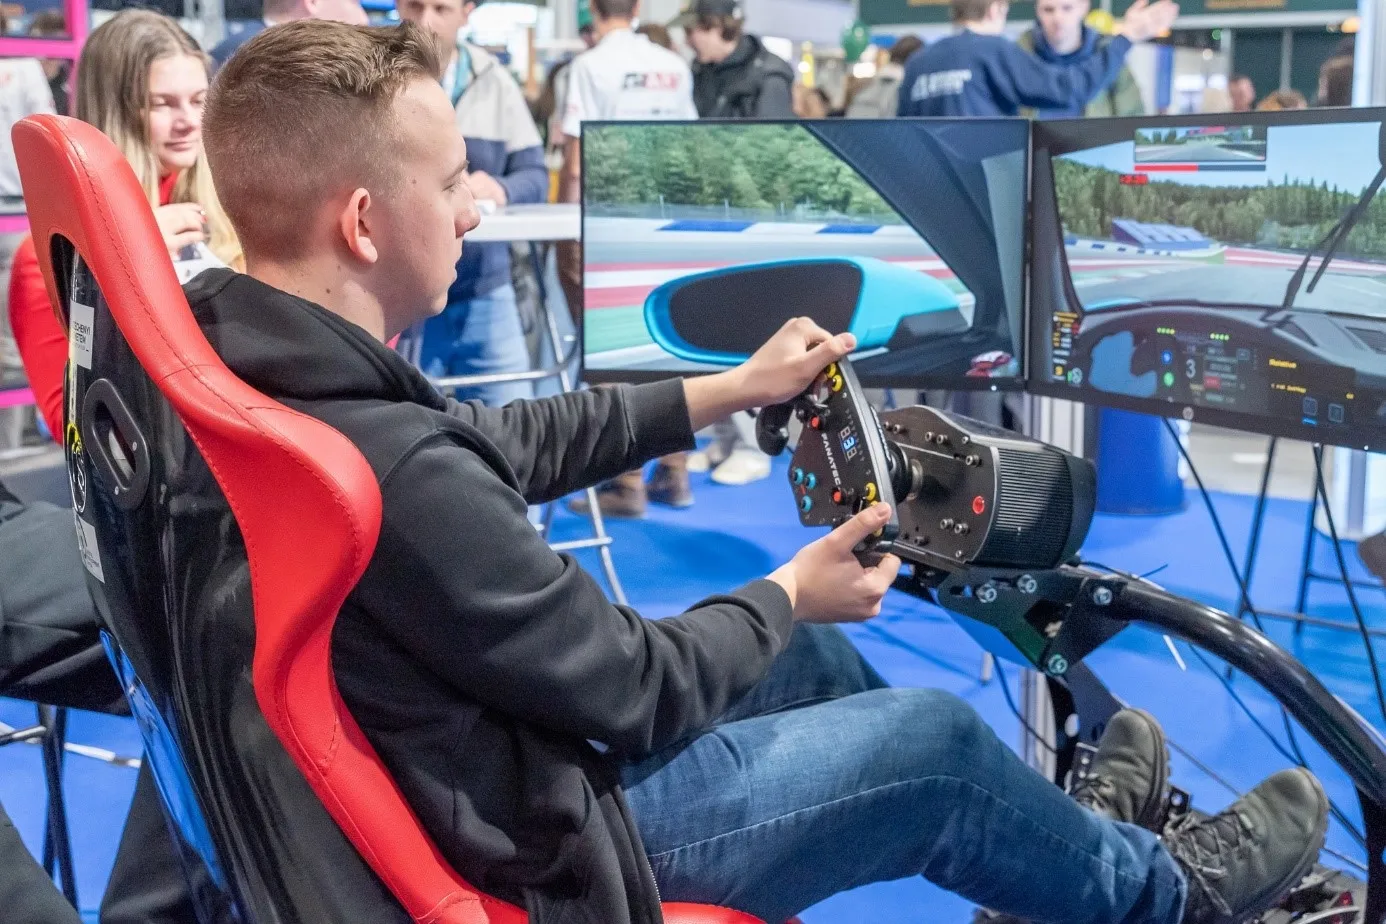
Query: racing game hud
[[1237, 271], [701, 239]]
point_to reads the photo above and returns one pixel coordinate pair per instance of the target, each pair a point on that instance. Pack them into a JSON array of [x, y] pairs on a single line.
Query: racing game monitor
[[701, 239], [1229, 268]]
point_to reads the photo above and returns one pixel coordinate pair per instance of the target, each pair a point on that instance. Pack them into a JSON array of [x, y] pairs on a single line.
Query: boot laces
[[1203, 847], [1094, 789]]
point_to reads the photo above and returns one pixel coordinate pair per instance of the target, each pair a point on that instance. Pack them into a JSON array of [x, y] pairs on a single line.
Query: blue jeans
[[477, 337], [822, 779]]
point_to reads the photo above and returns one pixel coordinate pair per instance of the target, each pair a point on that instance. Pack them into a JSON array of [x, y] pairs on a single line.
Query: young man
[[734, 76], [979, 72], [625, 77], [564, 752], [480, 332], [1060, 36]]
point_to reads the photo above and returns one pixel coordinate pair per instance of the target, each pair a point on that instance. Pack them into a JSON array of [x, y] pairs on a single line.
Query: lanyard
[[461, 74]]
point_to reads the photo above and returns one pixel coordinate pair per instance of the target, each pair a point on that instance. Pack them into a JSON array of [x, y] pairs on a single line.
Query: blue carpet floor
[[732, 535]]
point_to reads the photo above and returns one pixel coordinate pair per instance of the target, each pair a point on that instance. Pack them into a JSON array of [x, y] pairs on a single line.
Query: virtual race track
[[1201, 152], [1247, 277], [627, 258]]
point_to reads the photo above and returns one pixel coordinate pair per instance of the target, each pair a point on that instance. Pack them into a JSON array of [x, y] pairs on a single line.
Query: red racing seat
[[222, 532]]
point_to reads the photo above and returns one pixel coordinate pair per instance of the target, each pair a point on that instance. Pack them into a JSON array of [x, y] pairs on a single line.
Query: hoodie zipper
[[659, 899]]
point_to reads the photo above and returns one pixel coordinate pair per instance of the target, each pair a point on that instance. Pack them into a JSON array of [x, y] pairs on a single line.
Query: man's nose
[[468, 216]]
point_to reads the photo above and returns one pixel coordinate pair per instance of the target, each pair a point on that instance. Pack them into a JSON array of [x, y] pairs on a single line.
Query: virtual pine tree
[[776, 169], [1293, 214]]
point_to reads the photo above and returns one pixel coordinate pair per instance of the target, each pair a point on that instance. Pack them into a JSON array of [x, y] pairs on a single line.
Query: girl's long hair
[[113, 94]]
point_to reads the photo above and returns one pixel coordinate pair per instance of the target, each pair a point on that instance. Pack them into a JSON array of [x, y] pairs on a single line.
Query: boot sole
[[1150, 815], [1306, 862]]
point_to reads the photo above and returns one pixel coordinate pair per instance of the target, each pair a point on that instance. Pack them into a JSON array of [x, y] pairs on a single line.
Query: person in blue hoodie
[[480, 330], [1060, 36], [979, 72]]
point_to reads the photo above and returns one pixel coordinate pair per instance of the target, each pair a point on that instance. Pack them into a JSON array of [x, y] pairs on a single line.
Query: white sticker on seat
[[81, 323], [91, 552]]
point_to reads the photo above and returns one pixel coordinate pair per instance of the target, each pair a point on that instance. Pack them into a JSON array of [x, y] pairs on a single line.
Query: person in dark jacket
[[734, 75], [26, 893], [979, 72], [51, 652], [1060, 36], [562, 751]]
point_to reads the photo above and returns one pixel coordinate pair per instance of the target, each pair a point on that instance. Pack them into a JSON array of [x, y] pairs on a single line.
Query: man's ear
[[356, 225]]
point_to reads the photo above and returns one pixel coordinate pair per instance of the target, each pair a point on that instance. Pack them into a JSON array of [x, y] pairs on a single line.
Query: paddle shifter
[[962, 493]]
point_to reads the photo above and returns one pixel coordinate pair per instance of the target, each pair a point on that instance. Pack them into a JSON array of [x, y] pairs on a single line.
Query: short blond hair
[[303, 112]]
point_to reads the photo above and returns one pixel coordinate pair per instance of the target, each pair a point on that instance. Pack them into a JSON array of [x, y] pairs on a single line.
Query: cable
[[1006, 689], [1200, 765], [1347, 581], [1295, 754], [1236, 571], [1297, 758]]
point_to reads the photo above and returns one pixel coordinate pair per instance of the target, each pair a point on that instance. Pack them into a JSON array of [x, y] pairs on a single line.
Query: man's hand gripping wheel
[[841, 464]]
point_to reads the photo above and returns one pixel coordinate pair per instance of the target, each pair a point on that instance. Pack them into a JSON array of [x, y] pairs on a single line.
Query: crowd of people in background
[[704, 64]]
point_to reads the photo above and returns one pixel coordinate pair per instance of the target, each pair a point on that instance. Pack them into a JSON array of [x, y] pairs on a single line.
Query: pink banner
[[16, 397]]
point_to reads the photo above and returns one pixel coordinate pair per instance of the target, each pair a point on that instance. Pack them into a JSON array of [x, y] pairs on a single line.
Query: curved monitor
[[1227, 268], [701, 239]]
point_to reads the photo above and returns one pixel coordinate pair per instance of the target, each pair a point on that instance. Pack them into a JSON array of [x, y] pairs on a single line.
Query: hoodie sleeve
[[570, 441], [1018, 78], [525, 178], [463, 582]]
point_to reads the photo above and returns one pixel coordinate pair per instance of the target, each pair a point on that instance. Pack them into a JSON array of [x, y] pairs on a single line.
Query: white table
[[540, 222], [537, 224]]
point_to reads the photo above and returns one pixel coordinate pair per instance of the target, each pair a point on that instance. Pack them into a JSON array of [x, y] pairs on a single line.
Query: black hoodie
[[752, 83], [496, 681]]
